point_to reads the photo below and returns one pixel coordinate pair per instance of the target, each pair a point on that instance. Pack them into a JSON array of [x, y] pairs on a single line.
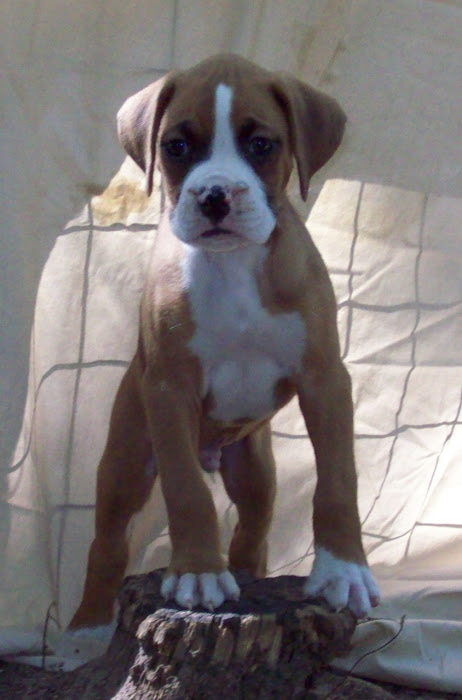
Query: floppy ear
[[316, 125], [138, 122]]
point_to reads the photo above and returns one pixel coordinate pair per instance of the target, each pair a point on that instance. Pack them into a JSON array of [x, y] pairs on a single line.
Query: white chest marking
[[243, 349]]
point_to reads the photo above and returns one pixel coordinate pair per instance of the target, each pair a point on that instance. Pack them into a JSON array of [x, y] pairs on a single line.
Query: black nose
[[214, 204]]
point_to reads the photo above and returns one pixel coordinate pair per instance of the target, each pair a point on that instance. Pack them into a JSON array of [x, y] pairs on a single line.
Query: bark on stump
[[269, 644]]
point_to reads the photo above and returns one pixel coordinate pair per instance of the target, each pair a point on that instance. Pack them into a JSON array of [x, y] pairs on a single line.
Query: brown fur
[[159, 404]]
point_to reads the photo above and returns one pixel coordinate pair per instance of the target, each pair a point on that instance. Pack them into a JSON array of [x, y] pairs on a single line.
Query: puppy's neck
[[233, 266]]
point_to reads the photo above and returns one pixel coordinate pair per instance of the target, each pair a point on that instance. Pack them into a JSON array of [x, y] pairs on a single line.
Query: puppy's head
[[226, 133]]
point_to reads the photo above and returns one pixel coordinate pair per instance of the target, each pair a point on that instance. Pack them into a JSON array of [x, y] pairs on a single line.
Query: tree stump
[[269, 644]]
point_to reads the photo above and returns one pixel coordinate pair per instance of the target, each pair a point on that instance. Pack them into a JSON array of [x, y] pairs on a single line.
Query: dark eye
[[260, 146], [176, 148]]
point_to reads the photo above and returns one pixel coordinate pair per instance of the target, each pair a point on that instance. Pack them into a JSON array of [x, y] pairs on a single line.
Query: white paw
[[208, 590], [84, 643], [343, 584]]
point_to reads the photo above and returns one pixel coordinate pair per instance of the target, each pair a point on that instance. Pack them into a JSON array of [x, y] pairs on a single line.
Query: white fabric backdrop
[[387, 221]]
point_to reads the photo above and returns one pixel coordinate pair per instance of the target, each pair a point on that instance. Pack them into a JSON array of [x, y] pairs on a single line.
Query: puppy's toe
[[371, 586], [229, 585], [211, 593], [337, 593], [168, 586], [187, 593]]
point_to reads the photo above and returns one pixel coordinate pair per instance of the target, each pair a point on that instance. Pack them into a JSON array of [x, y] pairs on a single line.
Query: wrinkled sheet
[[386, 215]]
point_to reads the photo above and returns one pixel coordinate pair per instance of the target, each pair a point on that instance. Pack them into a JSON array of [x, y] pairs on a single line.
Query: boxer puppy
[[238, 317]]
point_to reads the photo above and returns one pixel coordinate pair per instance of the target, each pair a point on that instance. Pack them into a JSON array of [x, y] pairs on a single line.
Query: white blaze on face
[[250, 219], [223, 142]]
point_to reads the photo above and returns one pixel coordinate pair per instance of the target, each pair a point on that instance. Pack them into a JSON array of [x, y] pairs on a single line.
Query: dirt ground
[[21, 682]]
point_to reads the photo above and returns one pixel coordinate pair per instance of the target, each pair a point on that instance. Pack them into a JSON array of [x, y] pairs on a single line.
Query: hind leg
[[124, 482], [249, 476]]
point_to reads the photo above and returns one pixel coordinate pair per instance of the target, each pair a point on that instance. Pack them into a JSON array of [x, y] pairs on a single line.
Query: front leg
[[340, 572], [249, 475], [197, 574]]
